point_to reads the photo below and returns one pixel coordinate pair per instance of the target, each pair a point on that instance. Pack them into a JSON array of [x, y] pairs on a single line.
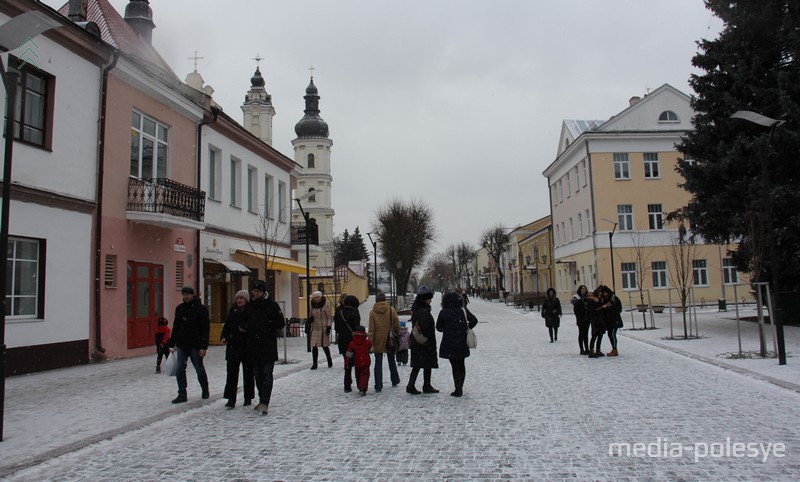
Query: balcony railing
[[165, 196]]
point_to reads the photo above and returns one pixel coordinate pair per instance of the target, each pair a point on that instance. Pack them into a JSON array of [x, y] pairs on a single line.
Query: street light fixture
[[772, 124], [13, 34], [375, 262], [306, 218], [611, 247]]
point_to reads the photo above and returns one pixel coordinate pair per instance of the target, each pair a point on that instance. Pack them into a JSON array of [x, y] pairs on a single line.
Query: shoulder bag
[[472, 338], [417, 334]]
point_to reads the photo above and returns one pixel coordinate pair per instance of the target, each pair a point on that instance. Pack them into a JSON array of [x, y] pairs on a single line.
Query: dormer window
[[668, 117]]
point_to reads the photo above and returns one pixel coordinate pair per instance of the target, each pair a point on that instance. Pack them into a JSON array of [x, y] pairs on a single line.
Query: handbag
[[392, 341], [417, 334], [309, 322], [171, 365], [472, 338]]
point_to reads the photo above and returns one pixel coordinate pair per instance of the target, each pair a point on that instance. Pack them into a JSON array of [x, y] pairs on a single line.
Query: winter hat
[[360, 329], [381, 296], [316, 294], [402, 324], [260, 285], [187, 290], [424, 293], [242, 294]]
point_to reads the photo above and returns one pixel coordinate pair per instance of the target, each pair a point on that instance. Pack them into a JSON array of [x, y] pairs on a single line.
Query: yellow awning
[[278, 263]]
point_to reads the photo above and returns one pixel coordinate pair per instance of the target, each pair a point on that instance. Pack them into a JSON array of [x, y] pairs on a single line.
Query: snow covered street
[[532, 410]]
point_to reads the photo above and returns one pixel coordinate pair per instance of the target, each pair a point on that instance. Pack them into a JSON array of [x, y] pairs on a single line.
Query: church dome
[[257, 80], [311, 125]]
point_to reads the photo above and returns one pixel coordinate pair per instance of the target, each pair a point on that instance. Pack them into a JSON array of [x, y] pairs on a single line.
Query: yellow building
[[611, 186]]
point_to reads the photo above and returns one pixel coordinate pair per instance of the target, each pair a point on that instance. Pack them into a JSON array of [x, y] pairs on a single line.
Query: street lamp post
[[306, 218], [611, 247], [375, 265], [772, 124]]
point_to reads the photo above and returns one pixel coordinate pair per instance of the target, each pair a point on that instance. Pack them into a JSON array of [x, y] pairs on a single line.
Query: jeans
[[263, 373], [379, 370], [197, 361], [232, 380]]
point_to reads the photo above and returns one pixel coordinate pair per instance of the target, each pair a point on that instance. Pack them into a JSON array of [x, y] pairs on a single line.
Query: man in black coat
[[190, 332], [261, 321]]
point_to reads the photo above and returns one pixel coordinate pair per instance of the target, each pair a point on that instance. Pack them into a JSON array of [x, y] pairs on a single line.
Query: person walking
[[598, 320], [320, 328], [346, 320], [612, 306], [162, 338], [580, 308], [261, 321], [383, 321], [235, 343], [452, 322], [423, 345], [358, 356], [402, 352], [551, 312], [190, 330]]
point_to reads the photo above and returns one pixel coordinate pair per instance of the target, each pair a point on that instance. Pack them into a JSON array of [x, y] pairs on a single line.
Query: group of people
[[601, 311], [254, 320]]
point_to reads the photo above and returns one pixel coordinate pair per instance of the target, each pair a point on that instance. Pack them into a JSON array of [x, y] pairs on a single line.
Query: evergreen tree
[[743, 177]]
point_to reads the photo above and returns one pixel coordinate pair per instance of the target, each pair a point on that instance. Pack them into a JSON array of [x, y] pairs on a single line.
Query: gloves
[[349, 354]]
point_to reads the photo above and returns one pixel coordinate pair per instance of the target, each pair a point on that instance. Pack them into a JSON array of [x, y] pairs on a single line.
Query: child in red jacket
[[358, 355], [162, 337]]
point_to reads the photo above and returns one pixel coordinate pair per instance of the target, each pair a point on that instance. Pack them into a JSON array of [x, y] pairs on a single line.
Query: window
[[729, 273], [214, 174], [655, 216], [554, 194], [569, 188], [628, 276], [621, 167], [252, 189], [700, 272], [577, 179], [149, 142], [651, 170], [560, 191], [558, 233], [580, 224], [625, 217], [33, 114], [585, 173], [591, 278], [110, 272], [236, 182], [659, 269], [588, 224], [24, 278], [268, 197], [282, 201], [563, 234], [312, 198], [311, 160], [178, 275], [571, 230], [668, 117]]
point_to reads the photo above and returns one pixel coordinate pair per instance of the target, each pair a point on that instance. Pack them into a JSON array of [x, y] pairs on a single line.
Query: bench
[[525, 300]]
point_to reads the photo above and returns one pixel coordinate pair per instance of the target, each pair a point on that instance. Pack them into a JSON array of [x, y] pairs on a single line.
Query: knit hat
[[360, 329], [187, 290], [402, 324], [242, 294]]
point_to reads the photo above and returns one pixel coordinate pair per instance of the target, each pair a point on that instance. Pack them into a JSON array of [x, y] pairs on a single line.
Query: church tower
[[312, 150], [258, 110]]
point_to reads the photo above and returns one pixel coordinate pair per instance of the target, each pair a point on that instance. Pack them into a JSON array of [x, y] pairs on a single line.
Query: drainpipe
[[593, 227], [98, 223], [214, 114]]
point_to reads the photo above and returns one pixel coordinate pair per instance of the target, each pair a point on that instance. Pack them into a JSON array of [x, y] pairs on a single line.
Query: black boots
[[412, 381], [412, 389], [314, 356], [328, 355]]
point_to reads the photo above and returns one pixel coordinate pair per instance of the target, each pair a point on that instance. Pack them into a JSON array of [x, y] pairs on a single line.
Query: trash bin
[[722, 304]]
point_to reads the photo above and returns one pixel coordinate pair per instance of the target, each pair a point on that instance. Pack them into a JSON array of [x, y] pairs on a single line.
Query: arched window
[[313, 197], [668, 116], [311, 160]]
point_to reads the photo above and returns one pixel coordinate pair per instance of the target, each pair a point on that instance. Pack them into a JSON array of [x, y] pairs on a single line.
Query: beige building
[[611, 185], [530, 249]]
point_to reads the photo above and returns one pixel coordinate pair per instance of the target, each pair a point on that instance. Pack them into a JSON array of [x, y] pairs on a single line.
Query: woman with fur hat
[[320, 328], [423, 353], [236, 353]]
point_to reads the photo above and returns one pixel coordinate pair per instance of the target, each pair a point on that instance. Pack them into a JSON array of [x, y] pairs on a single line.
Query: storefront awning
[[256, 261], [230, 266]]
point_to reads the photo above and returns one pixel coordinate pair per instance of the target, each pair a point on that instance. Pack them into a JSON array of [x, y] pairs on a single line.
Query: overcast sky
[[455, 103]]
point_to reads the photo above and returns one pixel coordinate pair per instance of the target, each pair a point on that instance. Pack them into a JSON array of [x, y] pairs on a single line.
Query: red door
[[145, 302]]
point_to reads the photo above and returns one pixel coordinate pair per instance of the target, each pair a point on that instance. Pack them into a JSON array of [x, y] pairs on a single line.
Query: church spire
[[257, 108]]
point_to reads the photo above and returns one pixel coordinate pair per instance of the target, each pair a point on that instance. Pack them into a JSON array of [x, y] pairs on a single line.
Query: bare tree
[[270, 233], [683, 253], [439, 271], [641, 254], [495, 241], [405, 232]]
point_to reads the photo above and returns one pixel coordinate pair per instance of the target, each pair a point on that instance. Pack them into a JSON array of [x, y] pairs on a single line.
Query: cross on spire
[[195, 58], [311, 70], [258, 58]]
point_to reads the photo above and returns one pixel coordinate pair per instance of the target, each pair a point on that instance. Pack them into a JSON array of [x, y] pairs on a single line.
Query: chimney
[[139, 17], [77, 10], [634, 99]]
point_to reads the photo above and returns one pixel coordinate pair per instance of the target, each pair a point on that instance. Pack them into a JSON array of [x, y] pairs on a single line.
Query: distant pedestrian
[[423, 353], [236, 353], [580, 307], [612, 307], [551, 312], [357, 356], [402, 352], [190, 331], [598, 320], [162, 338], [262, 320], [346, 320], [322, 321], [453, 321], [383, 320]]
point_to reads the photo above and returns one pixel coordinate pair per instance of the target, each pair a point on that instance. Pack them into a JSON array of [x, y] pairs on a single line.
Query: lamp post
[[306, 217], [13, 34], [375, 262], [772, 124], [611, 248]]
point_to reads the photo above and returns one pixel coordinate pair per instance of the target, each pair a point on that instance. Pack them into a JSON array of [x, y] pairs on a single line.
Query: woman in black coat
[[346, 320], [235, 353], [581, 308], [452, 322], [551, 312], [423, 355]]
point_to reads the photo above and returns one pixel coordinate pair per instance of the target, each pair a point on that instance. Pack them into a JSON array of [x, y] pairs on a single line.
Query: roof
[[577, 127]]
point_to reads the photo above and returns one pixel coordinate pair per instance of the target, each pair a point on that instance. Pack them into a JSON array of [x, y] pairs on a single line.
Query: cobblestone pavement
[[532, 410]]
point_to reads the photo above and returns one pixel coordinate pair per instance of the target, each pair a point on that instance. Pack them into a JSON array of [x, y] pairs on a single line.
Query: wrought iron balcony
[[165, 202]]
